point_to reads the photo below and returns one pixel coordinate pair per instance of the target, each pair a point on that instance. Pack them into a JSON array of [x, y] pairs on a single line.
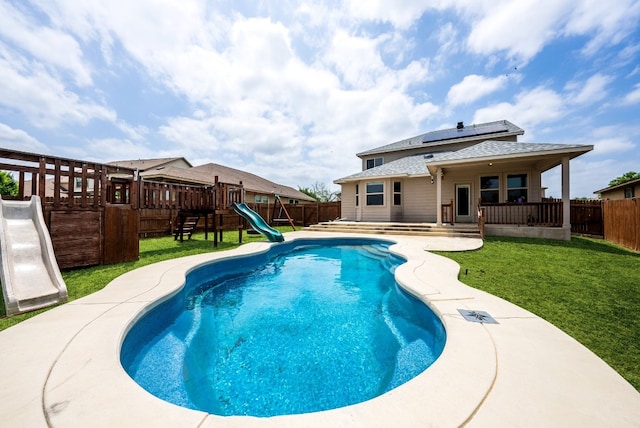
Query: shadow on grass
[[577, 242]]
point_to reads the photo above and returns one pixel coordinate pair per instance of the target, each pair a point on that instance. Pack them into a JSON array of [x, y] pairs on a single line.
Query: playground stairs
[[189, 224], [461, 230]]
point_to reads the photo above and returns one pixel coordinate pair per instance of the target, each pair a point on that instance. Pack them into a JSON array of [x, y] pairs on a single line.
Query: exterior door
[[463, 203]]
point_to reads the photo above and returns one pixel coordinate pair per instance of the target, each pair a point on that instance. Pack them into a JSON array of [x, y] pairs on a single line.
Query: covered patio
[[499, 186]]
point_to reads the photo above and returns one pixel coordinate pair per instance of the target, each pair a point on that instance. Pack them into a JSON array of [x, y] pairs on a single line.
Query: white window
[[490, 189], [397, 193], [517, 189], [372, 163], [375, 193], [357, 195]]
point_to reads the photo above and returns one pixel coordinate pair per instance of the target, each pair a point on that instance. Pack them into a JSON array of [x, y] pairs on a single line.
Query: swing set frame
[[283, 209]]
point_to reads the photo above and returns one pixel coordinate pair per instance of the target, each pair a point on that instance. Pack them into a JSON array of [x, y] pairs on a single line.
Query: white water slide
[[29, 272]]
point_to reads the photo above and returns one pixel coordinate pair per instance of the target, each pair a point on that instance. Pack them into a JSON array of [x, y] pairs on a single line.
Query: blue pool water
[[302, 328]]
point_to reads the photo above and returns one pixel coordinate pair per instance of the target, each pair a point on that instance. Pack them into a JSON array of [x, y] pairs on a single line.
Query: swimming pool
[[300, 328]]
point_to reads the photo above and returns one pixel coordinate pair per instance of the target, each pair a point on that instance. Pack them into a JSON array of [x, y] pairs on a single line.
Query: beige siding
[[376, 213], [348, 201], [619, 193], [419, 200]]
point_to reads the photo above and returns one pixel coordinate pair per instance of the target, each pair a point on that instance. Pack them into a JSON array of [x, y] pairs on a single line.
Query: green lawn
[[588, 288], [81, 282]]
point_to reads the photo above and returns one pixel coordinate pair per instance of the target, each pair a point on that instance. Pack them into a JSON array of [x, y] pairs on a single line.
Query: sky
[[292, 90]]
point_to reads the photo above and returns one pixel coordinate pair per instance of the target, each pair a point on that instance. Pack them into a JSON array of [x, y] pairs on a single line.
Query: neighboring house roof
[[619, 186], [205, 175], [177, 175], [490, 130], [250, 182], [425, 164], [145, 164], [49, 187]]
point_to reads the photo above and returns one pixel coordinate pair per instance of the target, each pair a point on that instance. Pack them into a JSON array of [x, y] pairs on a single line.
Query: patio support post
[[439, 196], [566, 201]]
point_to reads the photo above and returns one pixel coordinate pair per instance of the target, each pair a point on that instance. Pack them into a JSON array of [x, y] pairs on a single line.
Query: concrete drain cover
[[477, 316]]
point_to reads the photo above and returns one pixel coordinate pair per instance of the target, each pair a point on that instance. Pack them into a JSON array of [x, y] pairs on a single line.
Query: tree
[[631, 175], [319, 192], [8, 186]]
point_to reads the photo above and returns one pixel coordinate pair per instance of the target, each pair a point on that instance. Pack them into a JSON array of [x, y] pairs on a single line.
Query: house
[[179, 170], [459, 173], [630, 189]]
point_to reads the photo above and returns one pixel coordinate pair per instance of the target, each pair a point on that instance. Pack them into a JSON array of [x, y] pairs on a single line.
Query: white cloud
[[608, 22], [521, 28], [612, 144], [357, 60], [611, 139], [633, 97], [472, 88], [17, 139], [400, 13], [28, 88], [50, 46], [537, 106], [592, 90], [110, 149]]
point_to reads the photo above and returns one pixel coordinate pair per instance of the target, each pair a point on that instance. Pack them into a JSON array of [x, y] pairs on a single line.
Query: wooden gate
[[120, 234], [587, 218]]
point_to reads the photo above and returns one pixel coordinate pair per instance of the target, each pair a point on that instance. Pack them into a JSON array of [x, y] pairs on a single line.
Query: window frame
[[490, 189], [375, 162], [376, 194], [629, 192], [518, 188], [397, 194]]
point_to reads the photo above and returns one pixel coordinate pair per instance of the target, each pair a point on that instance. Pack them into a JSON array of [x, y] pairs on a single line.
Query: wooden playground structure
[[93, 211]]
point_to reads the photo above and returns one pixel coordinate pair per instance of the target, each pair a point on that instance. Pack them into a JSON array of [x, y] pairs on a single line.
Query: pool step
[[414, 229]]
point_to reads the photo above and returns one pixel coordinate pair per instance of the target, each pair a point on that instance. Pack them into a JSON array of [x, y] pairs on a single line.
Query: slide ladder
[[257, 222], [29, 272]]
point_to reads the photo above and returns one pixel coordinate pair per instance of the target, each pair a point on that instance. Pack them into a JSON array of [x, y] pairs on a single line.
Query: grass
[[81, 282], [588, 288]]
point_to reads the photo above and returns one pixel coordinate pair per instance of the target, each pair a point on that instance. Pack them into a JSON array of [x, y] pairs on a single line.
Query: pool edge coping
[[473, 352]]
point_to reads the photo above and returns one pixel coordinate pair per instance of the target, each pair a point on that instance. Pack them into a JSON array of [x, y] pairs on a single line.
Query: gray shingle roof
[[491, 149], [415, 166], [448, 136]]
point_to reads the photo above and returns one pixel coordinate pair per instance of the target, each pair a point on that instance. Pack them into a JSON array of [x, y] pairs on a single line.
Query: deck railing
[[548, 213], [68, 183]]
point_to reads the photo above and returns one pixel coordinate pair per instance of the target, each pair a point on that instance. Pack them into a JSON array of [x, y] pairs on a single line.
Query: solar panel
[[467, 131]]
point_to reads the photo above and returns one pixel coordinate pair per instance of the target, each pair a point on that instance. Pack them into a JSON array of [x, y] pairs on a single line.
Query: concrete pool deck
[[62, 368]]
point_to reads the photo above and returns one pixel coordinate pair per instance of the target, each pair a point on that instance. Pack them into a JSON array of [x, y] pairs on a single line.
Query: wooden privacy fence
[[622, 222], [157, 221], [302, 214]]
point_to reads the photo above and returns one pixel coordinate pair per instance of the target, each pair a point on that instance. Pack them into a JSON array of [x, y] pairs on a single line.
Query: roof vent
[[428, 156], [460, 125]]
